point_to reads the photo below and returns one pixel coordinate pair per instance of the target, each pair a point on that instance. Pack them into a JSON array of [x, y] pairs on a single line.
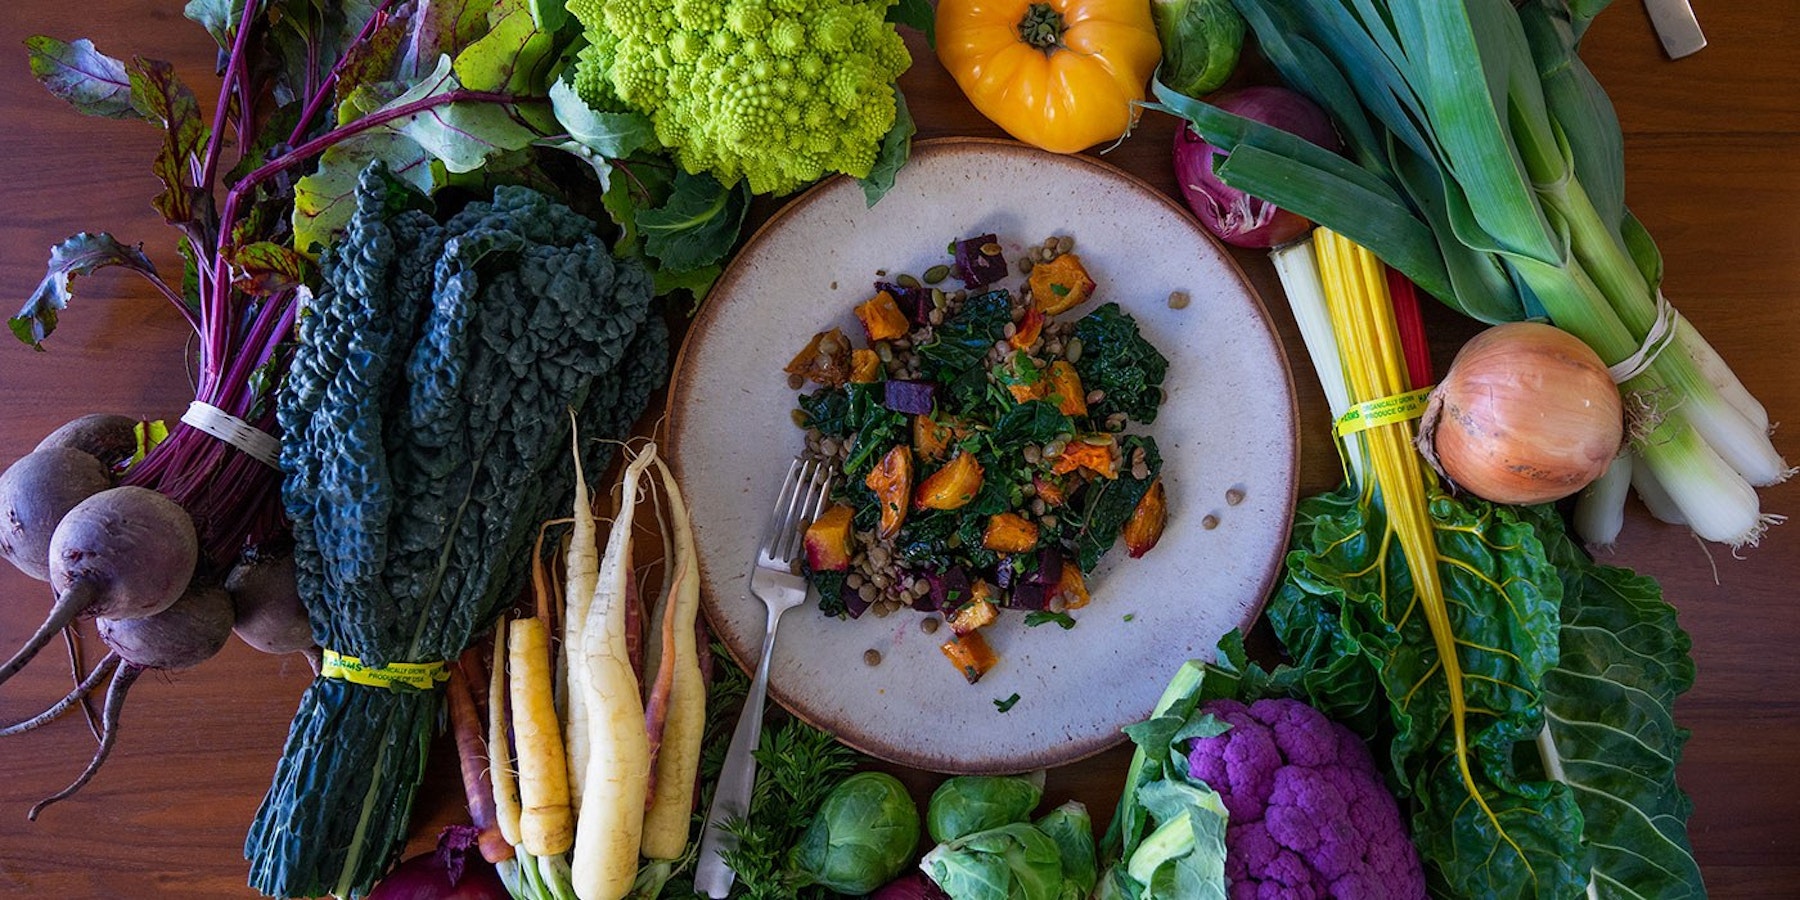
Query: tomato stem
[[1042, 27]]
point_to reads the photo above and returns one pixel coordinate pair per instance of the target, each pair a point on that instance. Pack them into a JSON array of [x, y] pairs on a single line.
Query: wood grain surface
[[1713, 168]]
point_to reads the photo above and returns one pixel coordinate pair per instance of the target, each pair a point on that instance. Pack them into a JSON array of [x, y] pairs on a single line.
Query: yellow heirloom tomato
[[1060, 74]]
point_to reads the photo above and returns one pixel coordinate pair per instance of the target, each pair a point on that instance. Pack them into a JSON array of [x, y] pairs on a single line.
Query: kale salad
[[982, 436]]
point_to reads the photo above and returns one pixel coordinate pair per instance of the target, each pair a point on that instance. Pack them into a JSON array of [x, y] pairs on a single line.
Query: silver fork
[[803, 495]]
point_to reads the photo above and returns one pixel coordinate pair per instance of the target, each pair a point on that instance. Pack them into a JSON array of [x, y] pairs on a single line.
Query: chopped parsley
[[1044, 618], [1004, 705]]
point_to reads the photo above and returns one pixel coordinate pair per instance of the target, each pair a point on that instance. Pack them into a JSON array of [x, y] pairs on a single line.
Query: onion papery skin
[[1527, 414]]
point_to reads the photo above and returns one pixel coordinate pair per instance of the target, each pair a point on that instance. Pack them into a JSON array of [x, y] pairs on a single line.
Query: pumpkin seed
[[907, 281], [936, 274]]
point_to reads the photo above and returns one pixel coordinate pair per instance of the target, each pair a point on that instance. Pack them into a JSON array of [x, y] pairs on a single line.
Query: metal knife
[[1676, 26]]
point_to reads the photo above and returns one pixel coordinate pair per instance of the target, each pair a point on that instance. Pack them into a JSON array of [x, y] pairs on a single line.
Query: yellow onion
[[1526, 414]]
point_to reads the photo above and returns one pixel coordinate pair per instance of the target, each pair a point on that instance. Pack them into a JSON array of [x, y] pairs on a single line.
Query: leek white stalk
[[1656, 499], [1600, 509]]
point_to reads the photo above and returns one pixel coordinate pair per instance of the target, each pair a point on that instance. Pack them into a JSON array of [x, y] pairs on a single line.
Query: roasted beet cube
[[914, 397], [854, 604], [915, 302], [1028, 595], [979, 261], [949, 588], [1049, 566]]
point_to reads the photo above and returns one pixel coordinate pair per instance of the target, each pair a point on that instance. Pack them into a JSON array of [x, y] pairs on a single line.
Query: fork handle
[[731, 799]]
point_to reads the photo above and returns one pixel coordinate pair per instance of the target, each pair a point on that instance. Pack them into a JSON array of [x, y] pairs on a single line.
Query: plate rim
[[1073, 751]]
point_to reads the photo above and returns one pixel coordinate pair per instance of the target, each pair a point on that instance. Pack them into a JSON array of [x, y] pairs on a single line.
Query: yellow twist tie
[[418, 676]]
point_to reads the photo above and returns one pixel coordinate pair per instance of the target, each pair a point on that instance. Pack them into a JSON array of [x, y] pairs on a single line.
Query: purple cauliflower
[[1310, 816]]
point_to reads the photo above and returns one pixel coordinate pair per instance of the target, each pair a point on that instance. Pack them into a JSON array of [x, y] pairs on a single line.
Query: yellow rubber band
[[419, 676], [1384, 411]]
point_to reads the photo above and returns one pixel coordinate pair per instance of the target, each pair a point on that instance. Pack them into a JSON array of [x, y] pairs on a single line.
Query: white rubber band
[[260, 445], [1658, 338]]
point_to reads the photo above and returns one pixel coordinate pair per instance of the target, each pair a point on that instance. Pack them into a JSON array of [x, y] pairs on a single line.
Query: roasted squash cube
[[826, 359], [1071, 589], [1065, 389], [891, 480], [1010, 533], [970, 654], [974, 615], [865, 366], [1060, 284], [828, 540], [882, 319], [932, 438], [1030, 329], [952, 486], [1050, 489], [1102, 459], [1145, 526]]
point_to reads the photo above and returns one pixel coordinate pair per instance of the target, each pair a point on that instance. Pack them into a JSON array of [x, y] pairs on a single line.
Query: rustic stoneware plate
[[1227, 434]]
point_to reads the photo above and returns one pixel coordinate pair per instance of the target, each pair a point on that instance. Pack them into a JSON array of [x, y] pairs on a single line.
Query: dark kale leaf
[[830, 586], [1117, 361], [878, 428], [828, 410], [1105, 504], [964, 339], [1031, 422]]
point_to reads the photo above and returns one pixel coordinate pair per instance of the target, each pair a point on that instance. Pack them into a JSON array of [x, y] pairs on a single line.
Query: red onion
[[1236, 217], [911, 886], [452, 872]]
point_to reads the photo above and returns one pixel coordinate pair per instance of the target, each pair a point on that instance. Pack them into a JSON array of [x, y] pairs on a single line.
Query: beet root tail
[[77, 696], [71, 604], [115, 702]]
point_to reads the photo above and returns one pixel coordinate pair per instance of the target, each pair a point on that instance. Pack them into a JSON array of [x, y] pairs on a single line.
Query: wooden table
[[1713, 156]]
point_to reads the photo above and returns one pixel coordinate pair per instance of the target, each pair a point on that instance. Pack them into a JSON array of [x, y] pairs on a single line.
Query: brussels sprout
[[863, 835], [1200, 39], [970, 803], [1012, 862], [1073, 831]]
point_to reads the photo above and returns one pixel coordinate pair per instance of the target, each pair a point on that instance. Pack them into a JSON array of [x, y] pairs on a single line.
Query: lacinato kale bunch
[[426, 440]]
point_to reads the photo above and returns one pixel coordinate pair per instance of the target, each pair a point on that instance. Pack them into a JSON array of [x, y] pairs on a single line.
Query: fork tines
[[803, 495]]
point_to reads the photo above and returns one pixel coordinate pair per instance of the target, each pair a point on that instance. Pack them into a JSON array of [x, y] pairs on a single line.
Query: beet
[[35, 493], [949, 587], [189, 632], [110, 438], [915, 302], [123, 553], [1027, 595], [270, 616], [915, 397], [1049, 567], [977, 268]]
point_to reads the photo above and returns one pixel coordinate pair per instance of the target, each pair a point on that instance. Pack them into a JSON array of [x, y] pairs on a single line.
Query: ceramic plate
[[1227, 434]]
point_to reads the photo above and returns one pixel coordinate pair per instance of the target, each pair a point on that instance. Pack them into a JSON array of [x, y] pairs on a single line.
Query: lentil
[[871, 657], [1178, 299]]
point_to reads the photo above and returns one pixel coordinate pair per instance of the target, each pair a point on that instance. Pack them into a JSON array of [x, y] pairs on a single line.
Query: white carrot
[[583, 568], [500, 758], [610, 821], [679, 700]]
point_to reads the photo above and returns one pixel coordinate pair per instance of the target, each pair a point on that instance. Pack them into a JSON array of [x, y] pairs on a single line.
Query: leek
[[1486, 165]]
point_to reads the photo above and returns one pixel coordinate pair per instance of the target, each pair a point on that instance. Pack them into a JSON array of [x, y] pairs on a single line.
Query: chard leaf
[[92, 82], [81, 254], [697, 282], [697, 226], [162, 98], [1609, 705], [515, 56], [1346, 614], [896, 147]]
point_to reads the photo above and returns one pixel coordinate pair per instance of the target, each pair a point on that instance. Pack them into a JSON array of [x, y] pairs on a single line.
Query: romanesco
[[781, 92]]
